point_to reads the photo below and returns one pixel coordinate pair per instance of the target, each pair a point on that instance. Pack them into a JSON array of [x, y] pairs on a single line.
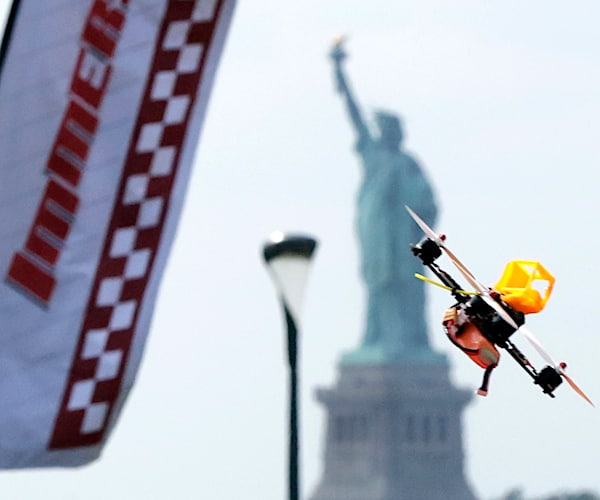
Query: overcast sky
[[500, 102]]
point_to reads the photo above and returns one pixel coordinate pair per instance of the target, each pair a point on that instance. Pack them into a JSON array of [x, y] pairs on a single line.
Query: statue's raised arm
[[338, 54]]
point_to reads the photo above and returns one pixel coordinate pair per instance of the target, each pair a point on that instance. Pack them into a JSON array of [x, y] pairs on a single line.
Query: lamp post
[[288, 257]]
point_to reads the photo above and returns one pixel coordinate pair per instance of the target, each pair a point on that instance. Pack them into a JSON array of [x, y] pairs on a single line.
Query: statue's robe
[[396, 307]]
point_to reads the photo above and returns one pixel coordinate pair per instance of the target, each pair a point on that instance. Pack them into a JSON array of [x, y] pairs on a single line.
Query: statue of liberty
[[395, 320]]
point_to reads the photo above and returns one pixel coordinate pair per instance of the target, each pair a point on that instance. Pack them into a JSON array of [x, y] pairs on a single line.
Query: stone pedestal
[[393, 433]]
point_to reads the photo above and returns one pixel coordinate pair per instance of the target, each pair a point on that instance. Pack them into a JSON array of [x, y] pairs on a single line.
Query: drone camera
[[427, 250], [548, 379]]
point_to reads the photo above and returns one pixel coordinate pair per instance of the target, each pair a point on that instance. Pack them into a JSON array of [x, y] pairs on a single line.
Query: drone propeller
[[538, 347], [468, 275], [559, 367], [561, 370]]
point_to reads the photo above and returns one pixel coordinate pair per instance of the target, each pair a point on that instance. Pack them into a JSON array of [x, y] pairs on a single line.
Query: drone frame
[[493, 327]]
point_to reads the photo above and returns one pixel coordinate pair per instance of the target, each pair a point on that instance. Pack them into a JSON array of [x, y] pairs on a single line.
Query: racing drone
[[482, 321]]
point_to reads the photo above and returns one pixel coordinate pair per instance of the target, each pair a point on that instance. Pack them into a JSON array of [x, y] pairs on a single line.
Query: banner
[[101, 106]]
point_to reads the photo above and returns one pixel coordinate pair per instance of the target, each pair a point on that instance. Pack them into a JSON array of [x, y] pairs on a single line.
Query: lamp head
[[288, 259]]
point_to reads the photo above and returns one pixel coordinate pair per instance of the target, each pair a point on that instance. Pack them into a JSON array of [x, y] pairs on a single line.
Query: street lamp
[[288, 258]]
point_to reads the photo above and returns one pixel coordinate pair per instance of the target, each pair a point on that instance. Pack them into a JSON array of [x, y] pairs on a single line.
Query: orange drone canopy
[[526, 285]]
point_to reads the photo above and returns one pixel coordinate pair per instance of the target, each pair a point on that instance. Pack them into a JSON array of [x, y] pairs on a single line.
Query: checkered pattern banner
[[106, 196]]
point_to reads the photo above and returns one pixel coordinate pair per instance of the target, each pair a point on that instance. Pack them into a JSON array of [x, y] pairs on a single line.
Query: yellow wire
[[432, 282]]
